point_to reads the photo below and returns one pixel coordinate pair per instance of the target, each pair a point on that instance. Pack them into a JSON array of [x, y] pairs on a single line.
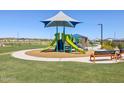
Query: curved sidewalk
[[21, 55]]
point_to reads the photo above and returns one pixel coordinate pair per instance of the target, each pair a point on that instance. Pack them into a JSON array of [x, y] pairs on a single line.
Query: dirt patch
[[38, 53]]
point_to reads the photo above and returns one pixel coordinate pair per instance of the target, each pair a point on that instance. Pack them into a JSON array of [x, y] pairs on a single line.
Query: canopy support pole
[[56, 38], [64, 39]]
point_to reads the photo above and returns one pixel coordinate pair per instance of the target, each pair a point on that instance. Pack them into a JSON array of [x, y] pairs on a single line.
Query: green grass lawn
[[18, 47], [17, 70]]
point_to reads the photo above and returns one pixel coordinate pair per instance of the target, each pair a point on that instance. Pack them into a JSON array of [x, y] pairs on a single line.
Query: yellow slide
[[51, 45], [73, 45]]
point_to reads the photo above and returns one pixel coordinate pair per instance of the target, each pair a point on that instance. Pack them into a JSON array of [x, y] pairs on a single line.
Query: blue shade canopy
[[60, 19]]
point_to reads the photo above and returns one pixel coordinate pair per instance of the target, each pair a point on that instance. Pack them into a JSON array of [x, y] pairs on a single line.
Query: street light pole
[[101, 25], [114, 35]]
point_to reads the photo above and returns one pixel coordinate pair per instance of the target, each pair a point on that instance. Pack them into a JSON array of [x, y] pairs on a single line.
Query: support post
[[57, 39], [64, 39], [101, 34]]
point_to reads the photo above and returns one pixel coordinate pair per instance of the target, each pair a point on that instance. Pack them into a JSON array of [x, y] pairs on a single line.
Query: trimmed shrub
[[109, 45]]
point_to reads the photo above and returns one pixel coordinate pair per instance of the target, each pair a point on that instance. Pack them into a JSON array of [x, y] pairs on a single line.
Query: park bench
[[105, 53], [121, 52]]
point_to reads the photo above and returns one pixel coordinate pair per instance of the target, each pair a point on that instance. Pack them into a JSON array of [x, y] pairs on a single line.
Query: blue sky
[[27, 23]]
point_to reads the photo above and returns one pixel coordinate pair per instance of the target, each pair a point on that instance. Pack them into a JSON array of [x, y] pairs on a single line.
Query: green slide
[[73, 45], [51, 45]]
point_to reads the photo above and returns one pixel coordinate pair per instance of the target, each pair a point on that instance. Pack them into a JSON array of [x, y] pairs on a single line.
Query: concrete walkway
[[5, 53], [21, 55]]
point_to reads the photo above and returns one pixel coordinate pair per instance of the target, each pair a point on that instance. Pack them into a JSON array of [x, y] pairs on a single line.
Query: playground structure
[[63, 42]]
